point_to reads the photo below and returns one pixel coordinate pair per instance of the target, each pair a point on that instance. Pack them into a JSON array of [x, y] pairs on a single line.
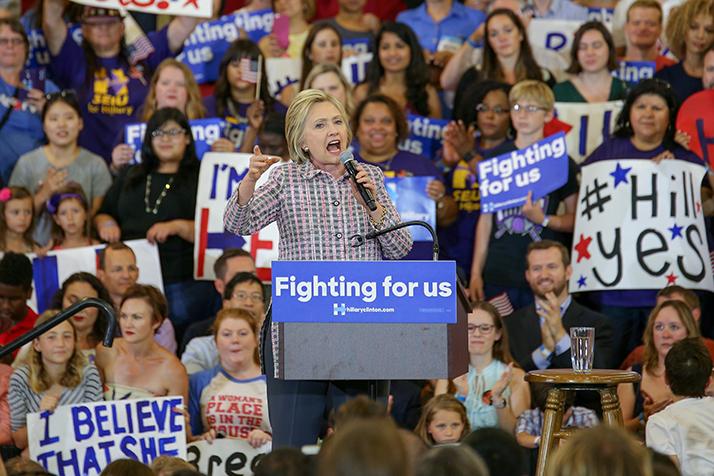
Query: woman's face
[[394, 54], [84, 320], [668, 329], [71, 217], [136, 321], [169, 142], [289, 8], [103, 33], [326, 48], [700, 35], [12, 48], [236, 342], [593, 52], [649, 118], [171, 89], [446, 427], [56, 345], [482, 333], [331, 84], [235, 77], [493, 122], [62, 124], [377, 129], [504, 36], [325, 134]]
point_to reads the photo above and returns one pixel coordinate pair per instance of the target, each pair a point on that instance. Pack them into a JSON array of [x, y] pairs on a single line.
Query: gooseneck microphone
[[348, 160]]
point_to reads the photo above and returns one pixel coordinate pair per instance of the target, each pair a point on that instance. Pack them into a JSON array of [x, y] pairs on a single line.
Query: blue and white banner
[[355, 67], [506, 180], [603, 15], [50, 271], [640, 225], [226, 456], [592, 123], [205, 132], [632, 72], [204, 49], [384, 292], [555, 35], [425, 135], [82, 439], [412, 202]]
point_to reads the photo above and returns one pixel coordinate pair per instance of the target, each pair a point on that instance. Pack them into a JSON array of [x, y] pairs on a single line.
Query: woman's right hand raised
[[121, 156], [259, 163]]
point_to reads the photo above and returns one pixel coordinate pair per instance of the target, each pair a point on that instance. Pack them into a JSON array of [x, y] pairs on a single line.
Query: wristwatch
[[498, 402], [545, 221]]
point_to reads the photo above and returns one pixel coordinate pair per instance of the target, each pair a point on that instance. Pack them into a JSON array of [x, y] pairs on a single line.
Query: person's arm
[[461, 61], [626, 395], [196, 357], [181, 28], [92, 385], [53, 25], [17, 400], [394, 245], [177, 380], [160, 232], [483, 236]]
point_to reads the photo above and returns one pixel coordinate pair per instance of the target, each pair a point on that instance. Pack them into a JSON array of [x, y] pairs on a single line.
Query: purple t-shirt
[[622, 148], [113, 96]]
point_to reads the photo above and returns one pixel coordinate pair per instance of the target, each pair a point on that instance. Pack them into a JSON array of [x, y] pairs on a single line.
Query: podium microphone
[[348, 160], [359, 240]]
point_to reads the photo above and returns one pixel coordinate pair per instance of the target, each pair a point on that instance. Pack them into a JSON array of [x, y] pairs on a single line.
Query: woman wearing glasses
[[156, 200], [494, 390]]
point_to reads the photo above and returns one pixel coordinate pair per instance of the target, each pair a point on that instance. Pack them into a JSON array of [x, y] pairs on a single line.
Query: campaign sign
[[355, 67], [205, 132], [696, 118], [50, 271], [219, 176], [189, 8], [383, 292], [556, 35], [412, 202], [632, 72], [592, 123], [639, 225], [225, 457], [603, 15], [82, 439], [425, 135], [506, 180], [282, 72], [356, 46], [204, 49]]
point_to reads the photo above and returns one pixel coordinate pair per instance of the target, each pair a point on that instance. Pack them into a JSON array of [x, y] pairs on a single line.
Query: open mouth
[[334, 146]]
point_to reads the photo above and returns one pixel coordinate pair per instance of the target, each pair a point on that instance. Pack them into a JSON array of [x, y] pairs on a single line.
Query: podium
[[334, 348]]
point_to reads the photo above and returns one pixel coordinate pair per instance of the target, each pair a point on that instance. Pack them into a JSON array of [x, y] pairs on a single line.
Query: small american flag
[[249, 70], [138, 43], [502, 304]]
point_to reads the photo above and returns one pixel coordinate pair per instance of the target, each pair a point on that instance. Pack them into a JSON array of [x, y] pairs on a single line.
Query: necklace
[[163, 193]]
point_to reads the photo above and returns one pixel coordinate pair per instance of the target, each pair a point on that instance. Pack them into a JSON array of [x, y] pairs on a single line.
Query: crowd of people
[[70, 179]]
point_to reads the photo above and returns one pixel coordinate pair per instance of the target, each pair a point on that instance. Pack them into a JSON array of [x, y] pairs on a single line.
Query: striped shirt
[[24, 400], [531, 421]]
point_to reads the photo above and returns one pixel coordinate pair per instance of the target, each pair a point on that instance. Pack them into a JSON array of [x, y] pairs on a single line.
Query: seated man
[[16, 318], [684, 430]]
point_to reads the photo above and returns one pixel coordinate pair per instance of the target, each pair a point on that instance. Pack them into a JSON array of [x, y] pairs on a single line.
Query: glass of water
[[582, 340]]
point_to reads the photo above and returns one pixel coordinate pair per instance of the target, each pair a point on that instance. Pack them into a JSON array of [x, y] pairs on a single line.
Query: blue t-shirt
[[682, 83], [113, 96], [622, 148], [454, 28]]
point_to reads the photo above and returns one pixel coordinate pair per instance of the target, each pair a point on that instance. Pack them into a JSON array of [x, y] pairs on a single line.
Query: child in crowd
[[16, 219], [70, 215], [443, 421]]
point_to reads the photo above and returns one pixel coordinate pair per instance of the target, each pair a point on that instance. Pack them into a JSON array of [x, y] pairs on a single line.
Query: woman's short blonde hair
[[297, 115], [324, 68], [532, 90], [679, 20]]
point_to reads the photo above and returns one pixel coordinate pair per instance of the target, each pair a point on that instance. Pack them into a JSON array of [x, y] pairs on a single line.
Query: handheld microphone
[[348, 160]]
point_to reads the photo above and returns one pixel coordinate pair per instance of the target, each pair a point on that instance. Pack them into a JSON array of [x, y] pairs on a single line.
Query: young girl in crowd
[[16, 219], [55, 374], [70, 215], [46, 170], [443, 421]]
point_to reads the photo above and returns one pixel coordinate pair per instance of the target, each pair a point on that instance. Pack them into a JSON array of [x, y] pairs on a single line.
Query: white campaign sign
[[190, 8], [218, 179], [639, 225], [355, 67], [82, 439], [555, 35], [225, 457], [592, 124], [282, 72]]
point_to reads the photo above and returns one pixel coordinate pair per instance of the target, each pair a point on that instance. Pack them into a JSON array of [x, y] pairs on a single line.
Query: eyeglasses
[[14, 41], [255, 297], [485, 329], [167, 133], [529, 108], [496, 109]]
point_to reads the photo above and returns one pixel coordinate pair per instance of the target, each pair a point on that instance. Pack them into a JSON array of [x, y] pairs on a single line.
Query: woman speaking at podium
[[318, 207]]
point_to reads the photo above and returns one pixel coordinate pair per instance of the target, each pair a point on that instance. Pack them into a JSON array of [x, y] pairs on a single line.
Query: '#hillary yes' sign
[[639, 225]]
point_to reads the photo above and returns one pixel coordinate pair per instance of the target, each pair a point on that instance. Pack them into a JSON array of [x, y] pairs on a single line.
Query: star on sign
[[676, 231], [671, 278], [620, 174], [582, 248], [581, 281]]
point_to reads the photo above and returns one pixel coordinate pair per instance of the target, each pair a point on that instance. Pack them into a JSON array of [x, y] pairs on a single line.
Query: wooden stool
[[565, 381]]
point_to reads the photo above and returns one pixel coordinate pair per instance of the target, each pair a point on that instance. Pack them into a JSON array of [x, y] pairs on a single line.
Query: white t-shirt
[[685, 429]]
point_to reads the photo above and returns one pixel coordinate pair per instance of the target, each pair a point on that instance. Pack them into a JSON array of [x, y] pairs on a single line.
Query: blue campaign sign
[[383, 292], [505, 181], [205, 132], [204, 49], [412, 202], [425, 135], [632, 72]]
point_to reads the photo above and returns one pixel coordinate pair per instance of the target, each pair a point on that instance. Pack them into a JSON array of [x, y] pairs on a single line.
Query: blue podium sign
[[384, 292]]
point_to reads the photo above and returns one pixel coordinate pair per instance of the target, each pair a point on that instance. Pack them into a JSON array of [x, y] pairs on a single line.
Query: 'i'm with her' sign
[[639, 225]]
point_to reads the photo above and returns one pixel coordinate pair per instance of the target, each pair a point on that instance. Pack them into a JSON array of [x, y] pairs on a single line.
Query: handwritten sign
[[189, 8], [696, 118], [556, 35], [592, 123], [226, 457], [639, 225], [205, 132]]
